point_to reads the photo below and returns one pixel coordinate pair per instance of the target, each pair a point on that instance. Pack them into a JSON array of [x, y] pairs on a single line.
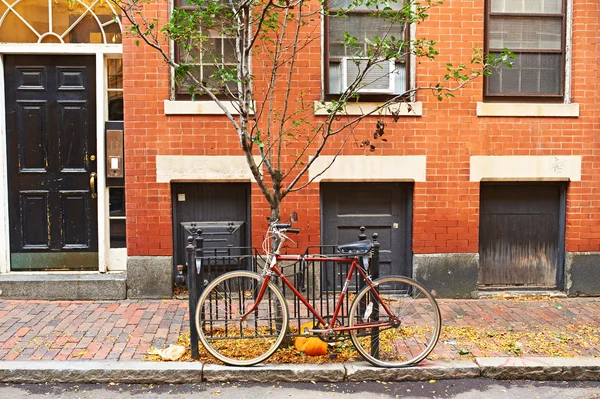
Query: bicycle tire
[[415, 335], [234, 341]]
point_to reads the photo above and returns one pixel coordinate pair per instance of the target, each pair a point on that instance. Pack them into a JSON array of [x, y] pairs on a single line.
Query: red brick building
[[495, 189]]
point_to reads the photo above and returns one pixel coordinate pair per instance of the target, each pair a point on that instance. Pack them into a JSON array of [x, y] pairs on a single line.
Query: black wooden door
[[383, 208], [521, 234], [51, 144], [209, 202]]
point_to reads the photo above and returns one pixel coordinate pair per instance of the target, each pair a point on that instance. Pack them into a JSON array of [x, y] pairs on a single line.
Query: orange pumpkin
[[300, 341], [314, 347]]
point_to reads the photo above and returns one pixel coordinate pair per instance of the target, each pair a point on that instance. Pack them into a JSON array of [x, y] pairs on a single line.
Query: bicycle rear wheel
[[225, 335], [408, 339]]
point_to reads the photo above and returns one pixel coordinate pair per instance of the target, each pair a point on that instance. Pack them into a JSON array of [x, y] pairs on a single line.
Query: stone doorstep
[[63, 286], [508, 293], [192, 372]]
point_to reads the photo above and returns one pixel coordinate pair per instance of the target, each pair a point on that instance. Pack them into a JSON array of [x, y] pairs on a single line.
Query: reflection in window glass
[[59, 21], [114, 88], [116, 206], [117, 233], [115, 73], [117, 201]]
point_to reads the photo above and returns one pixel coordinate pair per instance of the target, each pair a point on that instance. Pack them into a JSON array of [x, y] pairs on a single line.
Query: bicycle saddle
[[356, 248]]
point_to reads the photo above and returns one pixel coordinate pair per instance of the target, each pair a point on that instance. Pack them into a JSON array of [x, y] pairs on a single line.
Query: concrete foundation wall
[[582, 273], [448, 275], [149, 277]]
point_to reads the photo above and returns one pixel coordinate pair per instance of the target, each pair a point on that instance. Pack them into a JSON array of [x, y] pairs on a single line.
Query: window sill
[[361, 108], [207, 107], [528, 109]]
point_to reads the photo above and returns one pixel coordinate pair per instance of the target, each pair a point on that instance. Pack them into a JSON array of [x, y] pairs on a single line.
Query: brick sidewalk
[[125, 330]]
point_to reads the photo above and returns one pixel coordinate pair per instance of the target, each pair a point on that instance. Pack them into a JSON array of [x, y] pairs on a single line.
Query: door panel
[[33, 138], [73, 146], [34, 215], [383, 208], [51, 125], [520, 234]]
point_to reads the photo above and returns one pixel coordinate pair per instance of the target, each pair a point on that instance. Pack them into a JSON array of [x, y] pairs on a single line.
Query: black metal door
[[383, 208], [208, 202], [521, 234], [51, 144]]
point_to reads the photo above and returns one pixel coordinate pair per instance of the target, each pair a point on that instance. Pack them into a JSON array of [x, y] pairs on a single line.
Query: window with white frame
[[345, 60], [213, 49], [534, 30]]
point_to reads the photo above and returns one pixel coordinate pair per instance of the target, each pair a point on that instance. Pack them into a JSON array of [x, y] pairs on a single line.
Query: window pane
[[115, 105], [527, 6], [229, 51], [360, 26], [116, 201], [117, 233], [205, 56], [531, 74], [526, 33], [211, 51], [115, 73], [335, 80]]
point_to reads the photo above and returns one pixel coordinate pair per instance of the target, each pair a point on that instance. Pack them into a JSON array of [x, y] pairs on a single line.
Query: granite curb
[[583, 369]]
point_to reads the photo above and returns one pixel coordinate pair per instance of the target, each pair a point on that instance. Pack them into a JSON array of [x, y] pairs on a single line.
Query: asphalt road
[[463, 389]]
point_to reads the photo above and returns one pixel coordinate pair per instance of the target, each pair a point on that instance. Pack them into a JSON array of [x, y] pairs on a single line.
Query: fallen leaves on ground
[[566, 341], [466, 342]]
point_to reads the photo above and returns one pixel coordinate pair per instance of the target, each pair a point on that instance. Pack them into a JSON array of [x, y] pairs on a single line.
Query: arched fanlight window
[[59, 21]]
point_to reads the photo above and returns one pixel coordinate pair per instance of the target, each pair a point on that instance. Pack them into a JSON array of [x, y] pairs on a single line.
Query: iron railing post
[[375, 313], [192, 290]]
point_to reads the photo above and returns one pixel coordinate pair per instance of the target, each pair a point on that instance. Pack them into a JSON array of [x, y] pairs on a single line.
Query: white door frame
[[101, 51]]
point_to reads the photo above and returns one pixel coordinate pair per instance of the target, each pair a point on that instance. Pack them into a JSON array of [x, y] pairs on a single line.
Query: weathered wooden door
[[383, 208], [209, 202], [51, 145], [521, 234]]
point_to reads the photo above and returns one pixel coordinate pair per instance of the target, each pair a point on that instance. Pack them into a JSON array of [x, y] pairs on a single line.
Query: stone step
[[63, 286]]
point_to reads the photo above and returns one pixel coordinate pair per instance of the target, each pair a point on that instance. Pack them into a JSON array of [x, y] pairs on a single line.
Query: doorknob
[[93, 184]]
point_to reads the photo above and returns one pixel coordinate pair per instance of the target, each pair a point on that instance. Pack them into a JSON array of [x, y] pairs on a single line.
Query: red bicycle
[[393, 321]]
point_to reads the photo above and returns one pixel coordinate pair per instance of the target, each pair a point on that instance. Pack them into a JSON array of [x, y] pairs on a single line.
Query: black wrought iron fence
[[319, 282]]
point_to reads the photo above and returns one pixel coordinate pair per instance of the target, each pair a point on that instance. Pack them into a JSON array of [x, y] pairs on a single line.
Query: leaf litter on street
[[456, 342]]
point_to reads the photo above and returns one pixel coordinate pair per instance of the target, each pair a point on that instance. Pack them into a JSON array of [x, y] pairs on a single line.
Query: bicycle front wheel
[[228, 337], [411, 330]]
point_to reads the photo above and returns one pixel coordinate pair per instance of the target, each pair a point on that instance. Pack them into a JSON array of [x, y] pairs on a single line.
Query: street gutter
[[502, 368]]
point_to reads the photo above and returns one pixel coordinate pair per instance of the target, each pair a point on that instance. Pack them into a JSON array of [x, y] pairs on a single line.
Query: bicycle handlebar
[[282, 225], [295, 231]]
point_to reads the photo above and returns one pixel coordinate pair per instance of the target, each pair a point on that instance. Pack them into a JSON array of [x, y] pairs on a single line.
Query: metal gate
[[521, 234]]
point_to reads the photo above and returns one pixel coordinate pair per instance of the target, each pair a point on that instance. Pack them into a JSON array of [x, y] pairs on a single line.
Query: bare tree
[[228, 35]]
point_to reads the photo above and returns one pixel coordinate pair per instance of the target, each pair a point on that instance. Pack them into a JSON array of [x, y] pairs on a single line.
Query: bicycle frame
[[274, 270]]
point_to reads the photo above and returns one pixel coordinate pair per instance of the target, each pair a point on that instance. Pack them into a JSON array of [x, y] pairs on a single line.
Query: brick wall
[[446, 206]]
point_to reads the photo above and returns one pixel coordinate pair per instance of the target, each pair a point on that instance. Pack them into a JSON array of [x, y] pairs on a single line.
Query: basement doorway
[[522, 234], [209, 202], [383, 208]]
